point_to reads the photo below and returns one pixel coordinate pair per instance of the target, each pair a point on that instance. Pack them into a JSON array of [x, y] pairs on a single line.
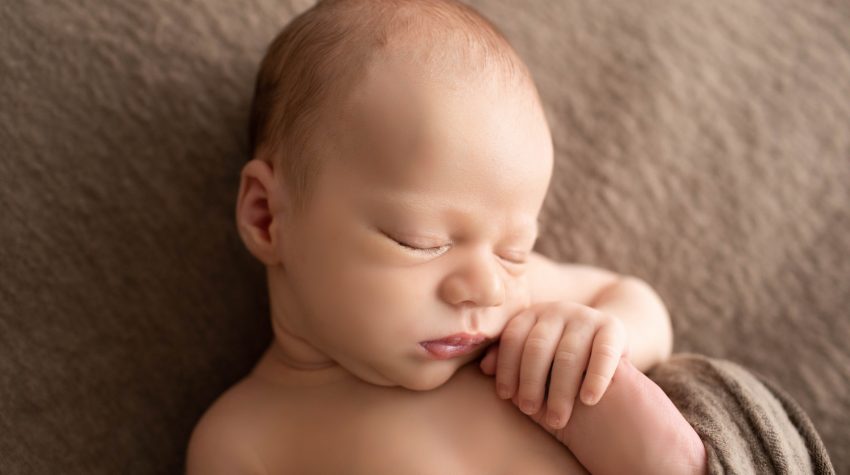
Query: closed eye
[[515, 259], [518, 258], [420, 250]]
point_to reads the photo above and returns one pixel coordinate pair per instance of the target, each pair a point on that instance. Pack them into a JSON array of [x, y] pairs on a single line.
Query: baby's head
[[400, 161]]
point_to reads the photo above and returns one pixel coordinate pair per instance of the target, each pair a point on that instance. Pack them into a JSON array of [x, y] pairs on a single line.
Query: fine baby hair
[[323, 53]]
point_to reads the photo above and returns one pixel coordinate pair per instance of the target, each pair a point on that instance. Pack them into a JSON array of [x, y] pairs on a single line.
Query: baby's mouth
[[454, 346]]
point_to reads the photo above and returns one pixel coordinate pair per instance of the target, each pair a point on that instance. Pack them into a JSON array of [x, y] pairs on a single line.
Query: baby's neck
[[274, 366]]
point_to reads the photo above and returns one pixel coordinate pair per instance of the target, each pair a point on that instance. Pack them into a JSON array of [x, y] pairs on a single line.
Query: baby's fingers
[[608, 347], [511, 346], [569, 362], [536, 365], [490, 360]]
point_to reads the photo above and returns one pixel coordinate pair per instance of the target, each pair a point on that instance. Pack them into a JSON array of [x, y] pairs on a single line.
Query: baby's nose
[[479, 285]]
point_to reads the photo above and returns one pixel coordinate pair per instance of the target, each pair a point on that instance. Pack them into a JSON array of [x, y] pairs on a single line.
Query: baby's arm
[[634, 428], [578, 341]]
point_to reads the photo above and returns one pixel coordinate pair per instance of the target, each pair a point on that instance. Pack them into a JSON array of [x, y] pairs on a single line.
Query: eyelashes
[[435, 251], [423, 250], [517, 261]]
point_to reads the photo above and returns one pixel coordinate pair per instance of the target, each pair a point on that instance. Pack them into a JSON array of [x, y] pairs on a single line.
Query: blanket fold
[[746, 422]]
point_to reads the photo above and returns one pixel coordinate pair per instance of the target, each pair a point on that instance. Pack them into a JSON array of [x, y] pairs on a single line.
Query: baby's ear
[[255, 211]]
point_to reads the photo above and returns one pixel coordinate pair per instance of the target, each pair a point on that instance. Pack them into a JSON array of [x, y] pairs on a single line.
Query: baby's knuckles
[[563, 311], [550, 320], [514, 331], [573, 310]]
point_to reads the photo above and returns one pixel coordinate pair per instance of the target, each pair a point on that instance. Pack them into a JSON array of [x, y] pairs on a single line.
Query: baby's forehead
[[434, 41], [496, 170], [410, 132], [407, 117]]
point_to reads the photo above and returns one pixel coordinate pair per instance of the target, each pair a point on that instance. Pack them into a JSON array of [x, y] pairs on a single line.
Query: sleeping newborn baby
[[401, 157]]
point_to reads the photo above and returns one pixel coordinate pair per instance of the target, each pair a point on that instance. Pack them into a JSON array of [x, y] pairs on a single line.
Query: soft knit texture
[[747, 423], [701, 146]]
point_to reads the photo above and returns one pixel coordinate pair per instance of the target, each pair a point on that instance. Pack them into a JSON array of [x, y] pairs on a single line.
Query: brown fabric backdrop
[[702, 146]]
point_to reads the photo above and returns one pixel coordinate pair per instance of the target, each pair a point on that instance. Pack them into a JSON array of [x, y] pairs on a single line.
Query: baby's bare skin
[[634, 428], [336, 423], [345, 425], [421, 225]]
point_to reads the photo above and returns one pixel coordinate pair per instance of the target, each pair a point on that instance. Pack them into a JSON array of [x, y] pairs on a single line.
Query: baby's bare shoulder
[[226, 438]]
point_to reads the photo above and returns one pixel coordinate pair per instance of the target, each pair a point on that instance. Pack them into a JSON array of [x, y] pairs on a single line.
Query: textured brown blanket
[[746, 422]]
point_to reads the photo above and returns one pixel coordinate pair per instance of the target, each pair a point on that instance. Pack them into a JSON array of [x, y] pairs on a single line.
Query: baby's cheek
[[517, 291]]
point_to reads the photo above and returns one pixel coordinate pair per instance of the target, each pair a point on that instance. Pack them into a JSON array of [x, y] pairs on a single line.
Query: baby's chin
[[433, 375], [421, 377]]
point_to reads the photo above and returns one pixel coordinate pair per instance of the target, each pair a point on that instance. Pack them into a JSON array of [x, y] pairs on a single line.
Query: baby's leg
[[634, 428]]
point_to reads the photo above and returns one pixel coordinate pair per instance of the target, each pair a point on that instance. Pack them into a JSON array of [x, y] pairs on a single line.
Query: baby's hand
[[580, 344]]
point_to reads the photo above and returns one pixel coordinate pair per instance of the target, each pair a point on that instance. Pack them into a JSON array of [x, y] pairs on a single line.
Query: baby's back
[[355, 427]]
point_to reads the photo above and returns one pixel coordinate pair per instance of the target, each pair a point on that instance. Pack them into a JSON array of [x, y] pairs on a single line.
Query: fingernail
[[527, 406], [588, 397], [554, 420], [503, 390]]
